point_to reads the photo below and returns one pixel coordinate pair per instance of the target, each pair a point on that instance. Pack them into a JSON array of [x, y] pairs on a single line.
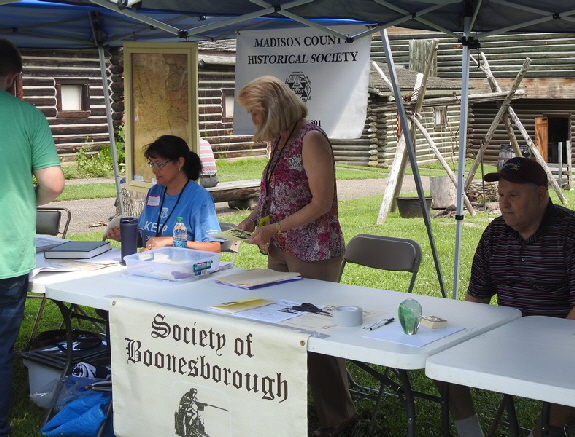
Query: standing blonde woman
[[297, 223]]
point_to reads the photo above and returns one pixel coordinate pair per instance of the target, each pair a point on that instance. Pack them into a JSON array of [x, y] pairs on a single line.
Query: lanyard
[[158, 227], [276, 157]]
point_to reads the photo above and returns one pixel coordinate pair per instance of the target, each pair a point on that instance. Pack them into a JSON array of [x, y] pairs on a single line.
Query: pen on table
[[379, 323]]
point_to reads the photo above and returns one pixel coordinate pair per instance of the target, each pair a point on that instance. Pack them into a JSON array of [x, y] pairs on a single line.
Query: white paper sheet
[[394, 333]]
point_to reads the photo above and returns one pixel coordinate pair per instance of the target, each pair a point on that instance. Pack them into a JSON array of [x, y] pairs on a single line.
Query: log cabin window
[[440, 116], [73, 98], [227, 104]]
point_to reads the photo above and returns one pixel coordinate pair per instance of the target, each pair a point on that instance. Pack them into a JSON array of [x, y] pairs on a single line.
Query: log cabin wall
[[549, 86], [216, 80], [557, 112], [44, 70], [376, 147], [378, 142], [549, 83]]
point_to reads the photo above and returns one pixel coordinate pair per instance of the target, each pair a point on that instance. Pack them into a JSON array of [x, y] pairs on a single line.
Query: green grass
[[247, 169], [87, 191], [357, 216]]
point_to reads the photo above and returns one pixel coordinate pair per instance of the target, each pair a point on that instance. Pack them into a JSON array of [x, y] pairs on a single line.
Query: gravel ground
[[93, 214]]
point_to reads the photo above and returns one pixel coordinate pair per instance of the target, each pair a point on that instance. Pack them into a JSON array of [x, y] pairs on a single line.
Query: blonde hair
[[279, 105]]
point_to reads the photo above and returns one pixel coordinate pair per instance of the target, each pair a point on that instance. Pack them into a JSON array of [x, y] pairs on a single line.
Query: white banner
[[329, 74], [178, 372]]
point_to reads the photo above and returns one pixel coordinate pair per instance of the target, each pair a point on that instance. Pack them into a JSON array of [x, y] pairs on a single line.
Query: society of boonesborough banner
[[178, 372], [329, 73]]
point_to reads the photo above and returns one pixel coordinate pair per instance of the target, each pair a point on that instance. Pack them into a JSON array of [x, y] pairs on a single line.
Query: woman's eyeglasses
[[158, 165]]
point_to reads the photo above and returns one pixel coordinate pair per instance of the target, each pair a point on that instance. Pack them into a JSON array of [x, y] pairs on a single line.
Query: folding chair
[[232, 247], [53, 221], [391, 254], [49, 221]]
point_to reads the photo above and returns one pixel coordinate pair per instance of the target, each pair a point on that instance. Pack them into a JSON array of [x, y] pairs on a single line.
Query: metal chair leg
[[37, 320], [409, 399]]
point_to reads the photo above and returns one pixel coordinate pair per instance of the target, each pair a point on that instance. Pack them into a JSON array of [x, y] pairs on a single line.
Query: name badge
[[153, 201]]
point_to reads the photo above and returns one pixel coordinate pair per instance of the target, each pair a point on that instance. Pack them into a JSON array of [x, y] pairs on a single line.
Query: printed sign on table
[[328, 73], [179, 372]]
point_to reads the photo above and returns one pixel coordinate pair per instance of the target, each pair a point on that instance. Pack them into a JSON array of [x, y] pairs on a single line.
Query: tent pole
[[411, 152], [111, 134], [464, 114]]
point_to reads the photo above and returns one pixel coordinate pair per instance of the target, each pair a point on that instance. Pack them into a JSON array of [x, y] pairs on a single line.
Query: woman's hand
[[263, 234], [113, 233], [247, 225], [157, 242]]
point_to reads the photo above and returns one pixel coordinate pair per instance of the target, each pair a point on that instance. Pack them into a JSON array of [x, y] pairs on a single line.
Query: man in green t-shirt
[[26, 148]]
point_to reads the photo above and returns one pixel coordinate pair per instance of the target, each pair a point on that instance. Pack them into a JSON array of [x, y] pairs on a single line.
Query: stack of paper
[[256, 278]]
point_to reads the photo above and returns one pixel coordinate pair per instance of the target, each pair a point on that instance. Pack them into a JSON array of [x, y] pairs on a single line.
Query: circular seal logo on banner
[[300, 84]]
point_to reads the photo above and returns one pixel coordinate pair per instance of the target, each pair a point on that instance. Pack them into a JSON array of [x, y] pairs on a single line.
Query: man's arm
[[50, 184], [471, 298]]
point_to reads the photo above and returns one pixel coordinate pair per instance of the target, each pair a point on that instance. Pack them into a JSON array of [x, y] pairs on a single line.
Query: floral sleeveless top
[[288, 193]]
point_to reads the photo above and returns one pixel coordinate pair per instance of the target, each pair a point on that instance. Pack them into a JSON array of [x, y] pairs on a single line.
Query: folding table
[[345, 342], [531, 357]]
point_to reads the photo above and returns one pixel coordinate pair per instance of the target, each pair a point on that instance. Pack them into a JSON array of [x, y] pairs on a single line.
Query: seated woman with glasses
[[175, 194]]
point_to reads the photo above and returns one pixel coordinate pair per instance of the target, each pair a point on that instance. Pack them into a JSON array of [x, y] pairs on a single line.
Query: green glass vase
[[409, 314]]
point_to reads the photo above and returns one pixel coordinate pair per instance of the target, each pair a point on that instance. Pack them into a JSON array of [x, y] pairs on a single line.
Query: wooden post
[[418, 95], [484, 65], [388, 194], [502, 109], [442, 161], [395, 179], [495, 87], [569, 160]]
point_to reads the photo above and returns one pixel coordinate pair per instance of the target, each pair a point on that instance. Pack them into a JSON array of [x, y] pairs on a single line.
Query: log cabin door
[[542, 137]]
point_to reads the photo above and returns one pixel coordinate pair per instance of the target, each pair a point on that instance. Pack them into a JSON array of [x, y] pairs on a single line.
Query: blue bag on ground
[[81, 417]]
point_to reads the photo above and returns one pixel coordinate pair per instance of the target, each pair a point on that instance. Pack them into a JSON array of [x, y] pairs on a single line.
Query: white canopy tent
[[89, 23]]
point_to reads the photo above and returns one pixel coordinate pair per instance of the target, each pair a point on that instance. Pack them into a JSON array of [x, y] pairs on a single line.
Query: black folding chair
[[49, 221], [391, 254]]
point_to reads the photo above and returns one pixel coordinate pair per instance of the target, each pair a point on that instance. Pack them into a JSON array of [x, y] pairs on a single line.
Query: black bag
[[82, 340]]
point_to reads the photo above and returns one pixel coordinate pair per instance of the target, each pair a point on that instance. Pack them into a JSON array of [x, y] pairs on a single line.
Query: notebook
[[77, 250], [256, 278]]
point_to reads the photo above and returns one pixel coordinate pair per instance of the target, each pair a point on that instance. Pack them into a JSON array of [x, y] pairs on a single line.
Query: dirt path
[[93, 214]]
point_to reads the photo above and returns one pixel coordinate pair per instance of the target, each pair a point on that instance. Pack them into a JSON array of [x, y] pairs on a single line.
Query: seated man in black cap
[[527, 258]]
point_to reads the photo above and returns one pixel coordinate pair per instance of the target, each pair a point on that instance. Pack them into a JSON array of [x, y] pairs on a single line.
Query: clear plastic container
[[173, 263]]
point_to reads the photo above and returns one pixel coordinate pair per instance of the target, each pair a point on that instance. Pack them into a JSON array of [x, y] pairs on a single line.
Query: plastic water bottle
[[180, 233]]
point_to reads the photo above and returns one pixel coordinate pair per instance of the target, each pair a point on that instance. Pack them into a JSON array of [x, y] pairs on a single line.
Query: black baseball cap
[[520, 171]]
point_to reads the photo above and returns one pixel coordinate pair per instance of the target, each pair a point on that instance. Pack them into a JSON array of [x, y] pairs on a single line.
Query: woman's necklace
[[158, 227]]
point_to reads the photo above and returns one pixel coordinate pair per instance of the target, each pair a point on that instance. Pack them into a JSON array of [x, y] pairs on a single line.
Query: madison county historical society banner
[[178, 372], [329, 74]]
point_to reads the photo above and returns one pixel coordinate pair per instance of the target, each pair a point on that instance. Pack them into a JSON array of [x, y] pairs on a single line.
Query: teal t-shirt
[[26, 144]]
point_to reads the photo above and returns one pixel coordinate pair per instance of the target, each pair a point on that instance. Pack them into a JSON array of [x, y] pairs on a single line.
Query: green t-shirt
[[26, 144]]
